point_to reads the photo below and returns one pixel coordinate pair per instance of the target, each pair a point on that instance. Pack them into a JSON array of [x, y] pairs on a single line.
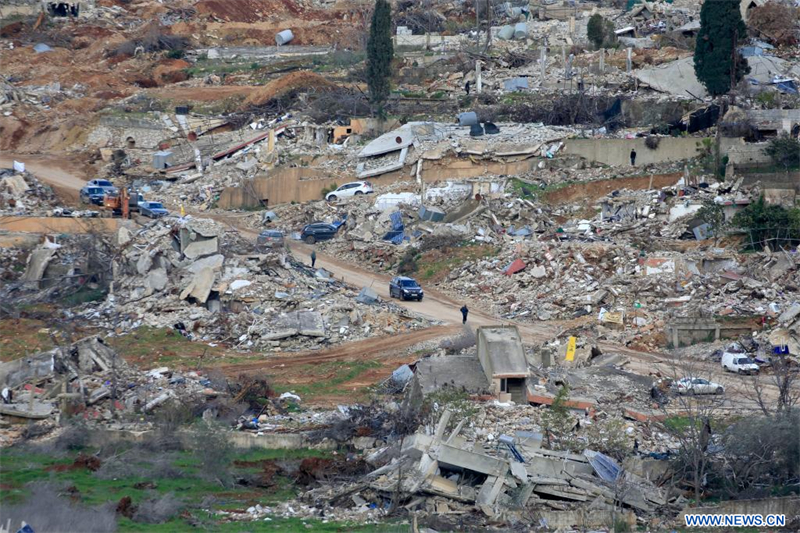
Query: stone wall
[[616, 152]]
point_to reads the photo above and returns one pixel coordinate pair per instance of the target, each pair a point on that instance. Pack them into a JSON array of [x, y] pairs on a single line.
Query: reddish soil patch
[[246, 10], [594, 190], [125, 507], [314, 469], [82, 462], [301, 79]]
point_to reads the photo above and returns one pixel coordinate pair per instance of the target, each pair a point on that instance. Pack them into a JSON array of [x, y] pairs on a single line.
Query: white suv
[[349, 189]]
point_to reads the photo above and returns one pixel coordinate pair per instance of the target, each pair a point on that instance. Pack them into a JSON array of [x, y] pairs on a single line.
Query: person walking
[[633, 157], [464, 313], [313, 257], [466, 87]]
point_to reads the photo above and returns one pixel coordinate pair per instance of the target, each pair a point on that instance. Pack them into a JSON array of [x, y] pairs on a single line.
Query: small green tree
[[379, 55], [600, 31], [714, 215], [557, 423], [785, 151], [721, 29], [594, 30], [768, 225]]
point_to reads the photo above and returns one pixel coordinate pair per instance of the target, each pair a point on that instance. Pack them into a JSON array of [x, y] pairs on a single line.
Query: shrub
[[768, 225], [601, 31], [45, 510], [158, 509], [329, 189], [785, 151], [609, 437], [210, 444], [558, 424], [408, 263], [652, 142]]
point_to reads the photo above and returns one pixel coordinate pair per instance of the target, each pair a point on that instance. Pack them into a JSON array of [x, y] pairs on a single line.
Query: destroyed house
[[503, 360], [774, 122]]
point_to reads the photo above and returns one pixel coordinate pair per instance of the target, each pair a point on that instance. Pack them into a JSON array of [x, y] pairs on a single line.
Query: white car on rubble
[[739, 363], [697, 386], [347, 190]]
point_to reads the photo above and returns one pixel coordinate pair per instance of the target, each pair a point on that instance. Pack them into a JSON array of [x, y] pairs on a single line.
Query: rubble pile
[[445, 473], [182, 273], [22, 194], [59, 267], [80, 380]]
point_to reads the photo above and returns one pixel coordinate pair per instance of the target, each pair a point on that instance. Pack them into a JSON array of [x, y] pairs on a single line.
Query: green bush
[[768, 225], [785, 151], [601, 32], [329, 189]]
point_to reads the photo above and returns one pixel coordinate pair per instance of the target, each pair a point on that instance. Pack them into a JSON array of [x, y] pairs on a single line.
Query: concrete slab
[[214, 262], [144, 264], [201, 248], [465, 372], [476, 462], [311, 323], [33, 368], [156, 280], [200, 286], [37, 264]]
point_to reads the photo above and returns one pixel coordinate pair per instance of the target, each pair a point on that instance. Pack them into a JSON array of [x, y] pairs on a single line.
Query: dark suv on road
[[92, 195], [318, 231], [405, 289]]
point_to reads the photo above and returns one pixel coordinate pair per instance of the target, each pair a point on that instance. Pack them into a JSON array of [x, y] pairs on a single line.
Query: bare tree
[[777, 390], [689, 419]]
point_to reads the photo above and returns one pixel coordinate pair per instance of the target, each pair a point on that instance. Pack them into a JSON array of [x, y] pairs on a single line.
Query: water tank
[[467, 119], [506, 33], [521, 30], [284, 37]]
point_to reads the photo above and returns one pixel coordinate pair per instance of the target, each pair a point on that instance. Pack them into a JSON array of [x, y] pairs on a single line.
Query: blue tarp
[[604, 466], [395, 237], [337, 224], [788, 87], [397, 221]]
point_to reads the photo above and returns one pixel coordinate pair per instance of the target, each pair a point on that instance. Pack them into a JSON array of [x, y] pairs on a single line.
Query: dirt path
[[386, 348], [434, 305], [67, 176]]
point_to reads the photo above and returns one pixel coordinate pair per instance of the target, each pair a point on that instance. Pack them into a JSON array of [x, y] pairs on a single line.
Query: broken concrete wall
[[28, 369]]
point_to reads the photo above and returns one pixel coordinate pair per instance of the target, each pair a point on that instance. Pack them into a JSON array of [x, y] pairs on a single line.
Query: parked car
[[270, 238], [153, 209], [697, 386], [105, 184], [92, 195], [739, 363], [405, 289], [347, 190], [318, 231]]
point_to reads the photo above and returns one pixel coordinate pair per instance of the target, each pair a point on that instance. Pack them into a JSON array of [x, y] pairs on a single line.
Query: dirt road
[[434, 305], [66, 175]]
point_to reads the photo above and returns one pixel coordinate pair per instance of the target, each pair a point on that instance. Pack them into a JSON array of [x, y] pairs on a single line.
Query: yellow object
[[571, 349], [183, 211]]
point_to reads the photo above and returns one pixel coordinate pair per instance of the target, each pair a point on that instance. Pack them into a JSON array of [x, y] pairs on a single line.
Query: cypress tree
[[721, 29], [379, 54]]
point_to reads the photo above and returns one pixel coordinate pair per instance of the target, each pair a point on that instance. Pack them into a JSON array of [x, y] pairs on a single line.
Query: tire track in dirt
[[367, 349]]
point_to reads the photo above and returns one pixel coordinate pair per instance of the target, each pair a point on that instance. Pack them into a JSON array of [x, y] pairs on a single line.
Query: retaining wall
[[616, 152]]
